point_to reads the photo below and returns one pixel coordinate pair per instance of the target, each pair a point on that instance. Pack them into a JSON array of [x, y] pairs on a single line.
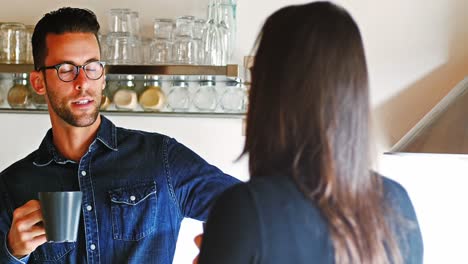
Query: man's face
[[77, 102]]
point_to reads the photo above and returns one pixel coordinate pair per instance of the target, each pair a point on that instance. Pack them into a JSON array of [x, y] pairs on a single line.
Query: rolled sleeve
[[5, 223], [195, 183]]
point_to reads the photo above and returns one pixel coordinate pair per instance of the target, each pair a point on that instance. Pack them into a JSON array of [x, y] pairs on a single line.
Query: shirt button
[[92, 247], [83, 173], [132, 198], [89, 208]]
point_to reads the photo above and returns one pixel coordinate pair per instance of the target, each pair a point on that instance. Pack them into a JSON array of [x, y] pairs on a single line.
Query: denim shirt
[[137, 187]]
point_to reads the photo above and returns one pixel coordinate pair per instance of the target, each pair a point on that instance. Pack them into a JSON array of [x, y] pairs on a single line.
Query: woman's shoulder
[[266, 197], [256, 190], [396, 195], [273, 189], [392, 186], [403, 221], [398, 199]]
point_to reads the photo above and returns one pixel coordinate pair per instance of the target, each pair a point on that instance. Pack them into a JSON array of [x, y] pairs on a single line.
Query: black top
[[268, 220]]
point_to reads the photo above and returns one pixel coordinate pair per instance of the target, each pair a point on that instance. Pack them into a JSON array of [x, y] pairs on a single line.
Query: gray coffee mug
[[61, 214]]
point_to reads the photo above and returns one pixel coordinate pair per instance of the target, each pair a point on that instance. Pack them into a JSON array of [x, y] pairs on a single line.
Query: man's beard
[[83, 120]]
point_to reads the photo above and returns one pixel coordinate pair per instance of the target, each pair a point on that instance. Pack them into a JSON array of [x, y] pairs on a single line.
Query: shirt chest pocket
[[134, 211]]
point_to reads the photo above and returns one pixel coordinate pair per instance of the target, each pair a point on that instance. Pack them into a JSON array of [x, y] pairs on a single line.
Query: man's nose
[[81, 79]]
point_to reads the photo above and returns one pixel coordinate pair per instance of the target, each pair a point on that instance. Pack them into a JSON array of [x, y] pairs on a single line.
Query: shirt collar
[[47, 152], [107, 134]]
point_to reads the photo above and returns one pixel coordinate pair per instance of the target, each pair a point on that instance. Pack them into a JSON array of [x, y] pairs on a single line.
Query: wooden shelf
[[228, 70], [134, 113]]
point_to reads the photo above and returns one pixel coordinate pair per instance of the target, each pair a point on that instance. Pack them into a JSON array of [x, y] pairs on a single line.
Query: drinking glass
[[119, 20], [198, 28], [225, 40], [13, 48], [227, 19], [29, 53], [134, 24], [212, 38], [145, 52], [185, 48], [161, 47], [121, 48]]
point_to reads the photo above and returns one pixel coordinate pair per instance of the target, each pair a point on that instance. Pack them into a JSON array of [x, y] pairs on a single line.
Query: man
[[137, 186]]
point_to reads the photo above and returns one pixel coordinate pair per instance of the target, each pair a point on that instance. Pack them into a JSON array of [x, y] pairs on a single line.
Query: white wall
[[417, 51], [437, 186]]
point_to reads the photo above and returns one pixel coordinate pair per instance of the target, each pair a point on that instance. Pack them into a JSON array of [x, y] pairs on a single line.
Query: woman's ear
[[37, 82]]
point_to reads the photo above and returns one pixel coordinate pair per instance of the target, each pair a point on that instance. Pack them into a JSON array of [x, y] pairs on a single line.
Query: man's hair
[[63, 20]]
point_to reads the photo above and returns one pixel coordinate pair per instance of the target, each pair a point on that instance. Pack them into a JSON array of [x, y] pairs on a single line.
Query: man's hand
[[198, 241], [26, 232]]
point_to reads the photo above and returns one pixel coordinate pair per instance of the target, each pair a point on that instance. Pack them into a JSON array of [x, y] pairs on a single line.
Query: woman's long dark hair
[[308, 118]]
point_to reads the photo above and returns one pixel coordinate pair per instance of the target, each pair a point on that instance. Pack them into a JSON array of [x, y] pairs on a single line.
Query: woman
[[311, 197]]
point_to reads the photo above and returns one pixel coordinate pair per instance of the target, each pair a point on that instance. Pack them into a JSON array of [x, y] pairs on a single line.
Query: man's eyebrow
[[91, 60], [73, 63]]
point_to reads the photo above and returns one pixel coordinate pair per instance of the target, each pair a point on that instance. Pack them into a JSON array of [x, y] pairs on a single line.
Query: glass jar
[[152, 97], [125, 97], [105, 102], [6, 82], [108, 92], [19, 95], [38, 101], [234, 98], [179, 96], [205, 96]]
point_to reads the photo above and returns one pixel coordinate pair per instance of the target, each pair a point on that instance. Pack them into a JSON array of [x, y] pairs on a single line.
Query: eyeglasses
[[68, 72]]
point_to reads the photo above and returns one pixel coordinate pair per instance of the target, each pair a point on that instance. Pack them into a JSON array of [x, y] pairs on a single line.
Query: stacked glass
[[161, 47], [13, 44], [227, 20], [123, 40], [198, 29], [185, 48], [219, 32]]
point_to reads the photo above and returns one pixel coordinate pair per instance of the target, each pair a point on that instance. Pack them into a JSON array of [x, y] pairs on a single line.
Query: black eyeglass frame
[[77, 69]]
